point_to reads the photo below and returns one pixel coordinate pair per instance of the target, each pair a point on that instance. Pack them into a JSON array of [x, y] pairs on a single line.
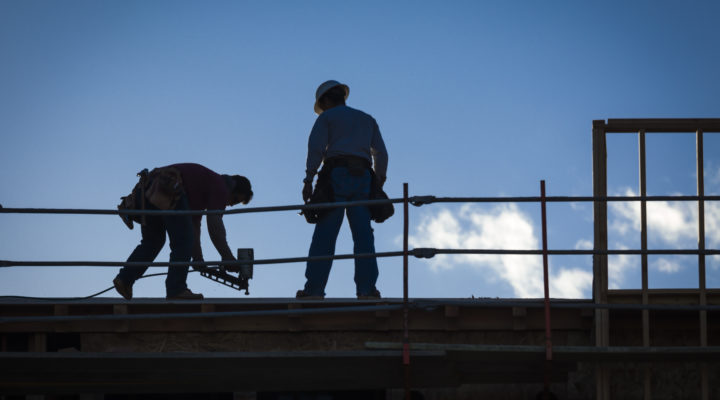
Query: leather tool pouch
[[134, 201], [165, 188], [379, 212], [323, 193]]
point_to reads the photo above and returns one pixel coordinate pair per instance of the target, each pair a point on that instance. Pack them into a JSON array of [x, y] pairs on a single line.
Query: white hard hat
[[324, 87]]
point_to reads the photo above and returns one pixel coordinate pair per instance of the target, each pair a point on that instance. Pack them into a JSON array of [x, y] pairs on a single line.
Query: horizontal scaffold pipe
[[8, 263], [429, 253], [418, 252], [197, 212], [415, 200], [421, 200]]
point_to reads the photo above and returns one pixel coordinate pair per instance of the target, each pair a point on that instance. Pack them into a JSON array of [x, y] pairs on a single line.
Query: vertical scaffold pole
[[406, 335], [647, 381], [600, 261], [704, 378], [546, 282]]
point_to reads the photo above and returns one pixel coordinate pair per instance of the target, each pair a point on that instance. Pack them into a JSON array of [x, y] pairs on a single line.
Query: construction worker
[[346, 141], [186, 187]]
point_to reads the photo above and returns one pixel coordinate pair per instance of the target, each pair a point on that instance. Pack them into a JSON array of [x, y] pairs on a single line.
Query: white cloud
[[618, 266], [503, 227], [584, 244], [670, 221], [667, 266], [673, 224], [571, 283]]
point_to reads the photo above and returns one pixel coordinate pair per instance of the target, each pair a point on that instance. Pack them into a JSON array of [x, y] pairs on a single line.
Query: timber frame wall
[[601, 293]]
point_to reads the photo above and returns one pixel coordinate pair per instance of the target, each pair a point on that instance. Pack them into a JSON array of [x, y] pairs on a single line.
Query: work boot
[[124, 289], [301, 294], [186, 294], [374, 295]]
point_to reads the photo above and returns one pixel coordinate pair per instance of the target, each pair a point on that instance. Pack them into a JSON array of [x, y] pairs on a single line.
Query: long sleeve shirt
[[206, 190], [342, 131]]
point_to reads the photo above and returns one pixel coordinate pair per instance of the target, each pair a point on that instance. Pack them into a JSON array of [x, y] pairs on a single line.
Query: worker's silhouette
[[346, 141]]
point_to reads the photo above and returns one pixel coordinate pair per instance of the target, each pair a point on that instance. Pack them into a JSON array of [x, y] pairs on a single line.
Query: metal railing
[[405, 253], [600, 252]]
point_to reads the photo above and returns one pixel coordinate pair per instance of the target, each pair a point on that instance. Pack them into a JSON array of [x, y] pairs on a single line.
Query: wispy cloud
[[502, 227], [584, 244], [671, 221], [667, 266], [619, 266], [674, 225]]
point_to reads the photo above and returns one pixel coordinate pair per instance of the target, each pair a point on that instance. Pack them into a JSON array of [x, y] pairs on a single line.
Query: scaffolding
[[601, 303]]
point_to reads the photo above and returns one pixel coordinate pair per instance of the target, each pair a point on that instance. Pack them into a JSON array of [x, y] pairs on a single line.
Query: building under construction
[[628, 344]]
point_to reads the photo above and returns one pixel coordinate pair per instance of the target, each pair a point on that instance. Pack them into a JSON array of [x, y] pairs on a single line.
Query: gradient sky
[[473, 99]]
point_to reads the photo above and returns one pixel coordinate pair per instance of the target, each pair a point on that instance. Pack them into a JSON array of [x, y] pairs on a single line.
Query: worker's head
[[330, 94], [240, 189]]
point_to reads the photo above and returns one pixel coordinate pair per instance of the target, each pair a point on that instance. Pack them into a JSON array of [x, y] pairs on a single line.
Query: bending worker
[[180, 187], [346, 141]]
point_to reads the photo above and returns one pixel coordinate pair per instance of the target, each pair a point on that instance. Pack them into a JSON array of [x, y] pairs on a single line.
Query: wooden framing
[[600, 293], [600, 261]]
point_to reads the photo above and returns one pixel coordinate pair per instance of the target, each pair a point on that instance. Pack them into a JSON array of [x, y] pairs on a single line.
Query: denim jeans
[[346, 187], [182, 238]]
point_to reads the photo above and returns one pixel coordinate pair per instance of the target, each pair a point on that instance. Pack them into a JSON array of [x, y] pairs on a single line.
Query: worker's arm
[[197, 254], [216, 229], [197, 248], [379, 154], [317, 144]]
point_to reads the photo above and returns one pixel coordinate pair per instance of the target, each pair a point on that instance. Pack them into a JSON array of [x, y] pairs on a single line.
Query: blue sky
[[472, 98]]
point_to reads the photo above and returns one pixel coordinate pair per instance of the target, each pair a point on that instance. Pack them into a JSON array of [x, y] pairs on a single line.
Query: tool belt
[[161, 187], [355, 165], [323, 192], [379, 212]]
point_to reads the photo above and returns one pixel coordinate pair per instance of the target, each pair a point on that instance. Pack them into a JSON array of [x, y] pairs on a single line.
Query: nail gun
[[223, 275]]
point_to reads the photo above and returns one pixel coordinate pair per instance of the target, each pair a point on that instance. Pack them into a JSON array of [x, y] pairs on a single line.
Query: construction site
[[642, 343]]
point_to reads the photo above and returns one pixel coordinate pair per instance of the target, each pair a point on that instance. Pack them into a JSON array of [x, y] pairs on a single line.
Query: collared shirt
[[342, 131], [206, 190]]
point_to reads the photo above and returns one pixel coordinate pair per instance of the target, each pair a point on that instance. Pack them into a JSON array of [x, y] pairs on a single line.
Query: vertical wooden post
[[406, 334], [600, 261], [644, 256], [700, 170], [546, 287]]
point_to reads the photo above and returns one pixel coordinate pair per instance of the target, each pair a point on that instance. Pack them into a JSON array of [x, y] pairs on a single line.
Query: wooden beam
[[672, 125], [600, 261], [644, 243], [700, 172]]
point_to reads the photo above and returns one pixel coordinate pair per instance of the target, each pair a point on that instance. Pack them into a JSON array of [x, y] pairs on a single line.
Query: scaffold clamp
[[424, 252], [418, 201]]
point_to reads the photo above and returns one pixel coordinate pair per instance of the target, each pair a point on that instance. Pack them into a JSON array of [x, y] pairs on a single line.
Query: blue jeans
[[182, 238], [346, 188]]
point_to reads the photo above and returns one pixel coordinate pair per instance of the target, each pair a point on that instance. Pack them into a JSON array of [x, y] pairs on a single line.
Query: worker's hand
[[307, 191], [231, 268], [199, 267]]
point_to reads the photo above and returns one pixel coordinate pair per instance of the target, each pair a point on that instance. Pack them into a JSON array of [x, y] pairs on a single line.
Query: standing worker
[[179, 187], [346, 141]]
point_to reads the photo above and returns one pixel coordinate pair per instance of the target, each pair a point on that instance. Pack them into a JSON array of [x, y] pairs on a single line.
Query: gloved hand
[[307, 191], [231, 268], [199, 267]]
